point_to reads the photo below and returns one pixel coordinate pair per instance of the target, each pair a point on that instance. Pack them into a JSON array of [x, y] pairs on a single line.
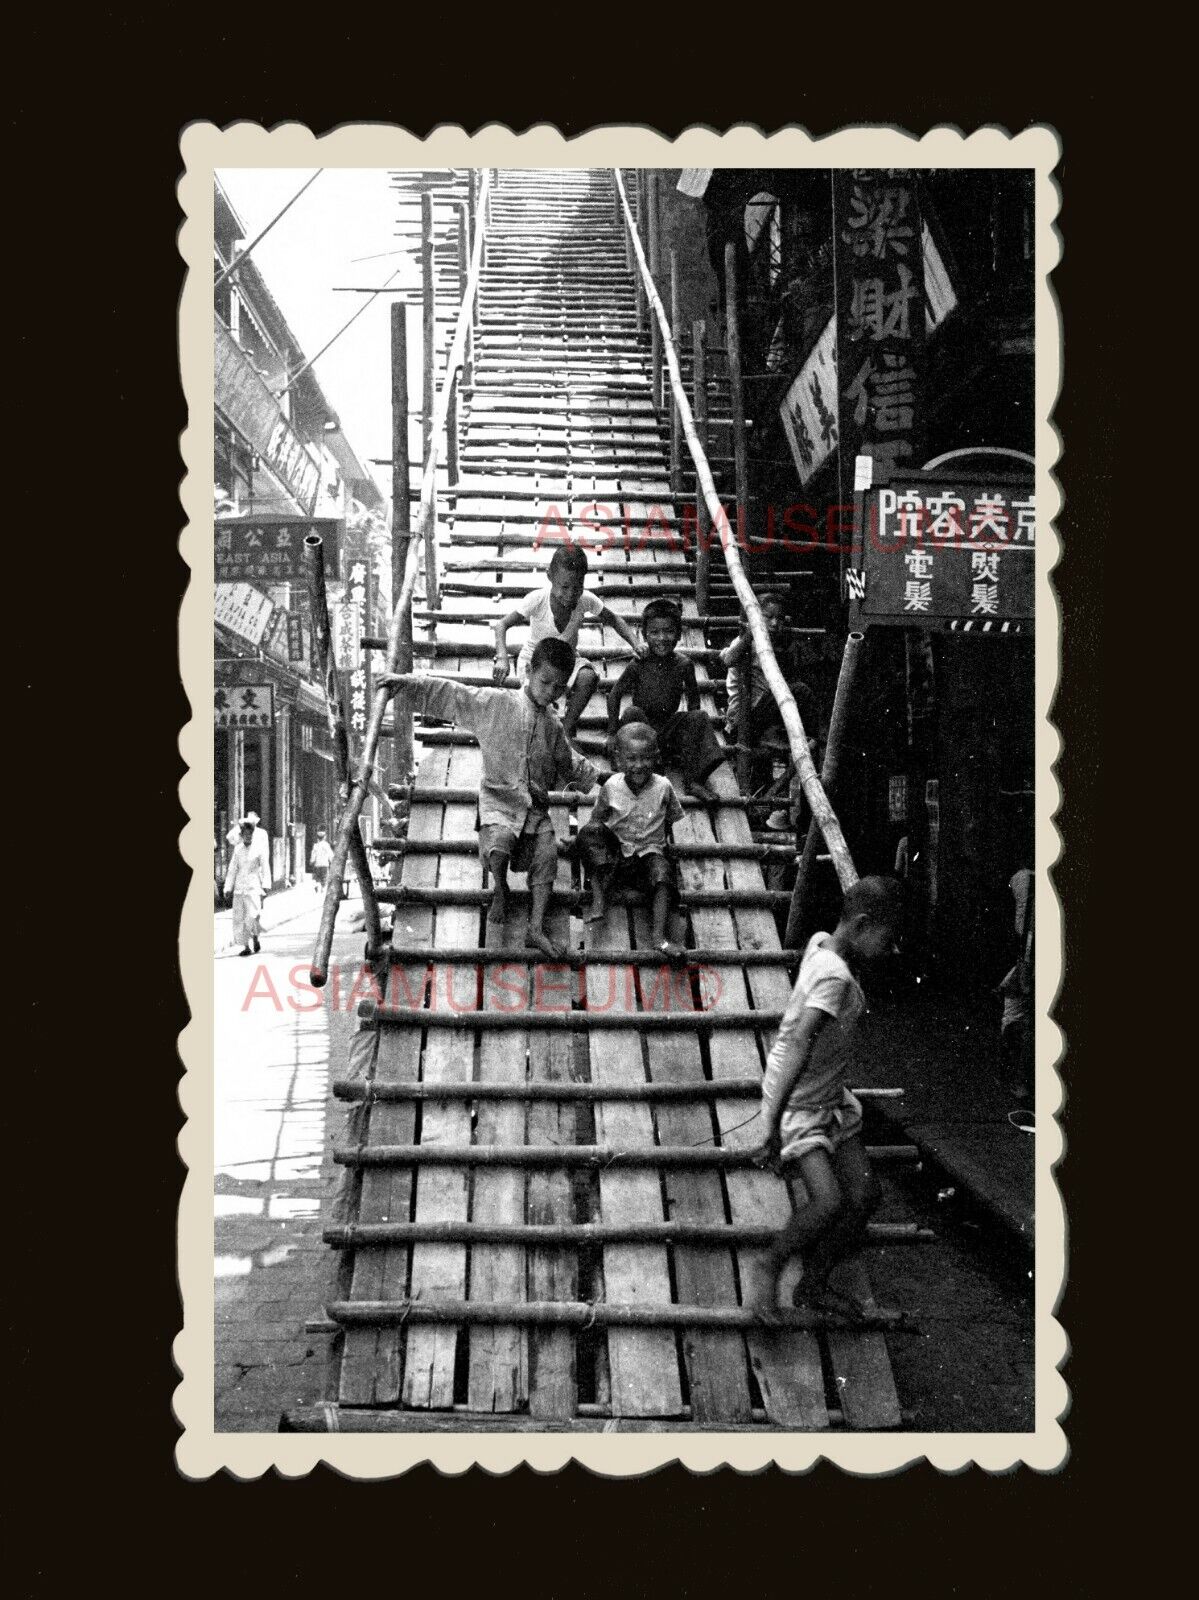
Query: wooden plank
[[498, 1371], [371, 1359], [861, 1364]]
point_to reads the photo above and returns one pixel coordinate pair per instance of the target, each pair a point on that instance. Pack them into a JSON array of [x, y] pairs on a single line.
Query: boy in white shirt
[[812, 1122], [624, 842], [557, 610]]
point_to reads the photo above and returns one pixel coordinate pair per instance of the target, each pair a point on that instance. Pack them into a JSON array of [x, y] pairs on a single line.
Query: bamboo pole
[[703, 550], [676, 332], [401, 523], [463, 955], [451, 436], [419, 794], [468, 359], [706, 899], [373, 1092], [800, 753], [325, 1417], [741, 472], [573, 1235], [348, 825], [678, 852], [318, 604], [637, 226], [655, 266], [577, 1155], [429, 352], [838, 722], [589, 1314], [562, 1020]]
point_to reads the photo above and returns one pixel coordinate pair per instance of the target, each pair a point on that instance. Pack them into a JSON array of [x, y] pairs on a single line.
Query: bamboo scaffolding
[[469, 955], [562, 1019], [800, 752], [736, 899], [587, 1418], [377, 1235], [593, 1314], [588, 1156]]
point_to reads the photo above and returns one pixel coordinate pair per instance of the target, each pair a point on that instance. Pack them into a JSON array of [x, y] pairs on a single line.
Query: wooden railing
[[399, 647], [801, 754]]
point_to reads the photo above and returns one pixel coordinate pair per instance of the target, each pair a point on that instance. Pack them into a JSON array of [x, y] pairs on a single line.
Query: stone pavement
[[274, 1131]]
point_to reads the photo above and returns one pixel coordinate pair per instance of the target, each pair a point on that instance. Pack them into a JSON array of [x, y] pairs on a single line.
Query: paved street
[[275, 1040]]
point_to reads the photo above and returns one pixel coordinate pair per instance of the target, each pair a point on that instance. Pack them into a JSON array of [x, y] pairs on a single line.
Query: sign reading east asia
[[945, 555], [271, 549]]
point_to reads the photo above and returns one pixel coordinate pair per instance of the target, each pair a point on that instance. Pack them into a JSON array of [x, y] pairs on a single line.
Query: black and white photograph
[[624, 1033]]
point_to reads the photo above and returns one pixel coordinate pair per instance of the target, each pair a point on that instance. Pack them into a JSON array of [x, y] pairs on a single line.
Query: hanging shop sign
[[880, 317], [952, 554], [353, 662], [810, 412], [251, 705], [297, 646], [242, 609], [271, 549], [255, 413]]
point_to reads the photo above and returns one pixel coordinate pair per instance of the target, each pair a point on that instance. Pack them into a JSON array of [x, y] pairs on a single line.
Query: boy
[[319, 859], [657, 683], [245, 884], [811, 1120], [745, 679], [525, 754], [557, 610], [624, 843]]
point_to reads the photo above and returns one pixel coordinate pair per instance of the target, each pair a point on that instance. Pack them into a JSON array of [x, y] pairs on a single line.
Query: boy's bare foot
[[701, 792], [497, 911], [820, 1297], [541, 940], [762, 1294]]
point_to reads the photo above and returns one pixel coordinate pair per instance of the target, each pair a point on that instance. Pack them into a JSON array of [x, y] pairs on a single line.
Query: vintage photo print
[[620, 982]]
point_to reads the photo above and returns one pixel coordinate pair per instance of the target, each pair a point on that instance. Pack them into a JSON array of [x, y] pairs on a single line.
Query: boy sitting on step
[[812, 1123], [557, 610], [747, 682], [525, 755], [657, 685], [624, 844]]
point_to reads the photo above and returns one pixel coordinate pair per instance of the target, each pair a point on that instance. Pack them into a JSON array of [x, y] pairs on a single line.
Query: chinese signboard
[[244, 610], [811, 410], [254, 412], [881, 315], [251, 706], [353, 663], [271, 550], [939, 554]]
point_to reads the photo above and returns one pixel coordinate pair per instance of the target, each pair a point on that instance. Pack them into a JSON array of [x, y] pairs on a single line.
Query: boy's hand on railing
[[392, 681], [538, 795], [500, 667]]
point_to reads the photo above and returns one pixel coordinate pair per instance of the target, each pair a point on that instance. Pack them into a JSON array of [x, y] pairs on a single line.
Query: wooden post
[[655, 332], [451, 431], [468, 363], [639, 220], [472, 206], [401, 525], [628, 242], [429, 304], [699, 379], [737, 407], [838, 722], [318, 604], [676, 420]]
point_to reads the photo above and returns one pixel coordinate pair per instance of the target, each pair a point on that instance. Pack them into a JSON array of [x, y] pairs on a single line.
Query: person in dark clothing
[[746, 679], [657, 686]]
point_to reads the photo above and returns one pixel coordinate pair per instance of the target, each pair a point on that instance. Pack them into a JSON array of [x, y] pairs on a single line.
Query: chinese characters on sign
[[244, 610], [353, 663], [944, 555], [809, 411], [253, 410], [248, 706], [272, 550], [881, 315]]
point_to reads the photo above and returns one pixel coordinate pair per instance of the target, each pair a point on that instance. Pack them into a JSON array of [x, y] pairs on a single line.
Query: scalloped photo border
[[201, 1451]]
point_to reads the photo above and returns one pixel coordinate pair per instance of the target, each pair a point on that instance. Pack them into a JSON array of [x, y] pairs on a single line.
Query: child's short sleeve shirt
[[826, 984]]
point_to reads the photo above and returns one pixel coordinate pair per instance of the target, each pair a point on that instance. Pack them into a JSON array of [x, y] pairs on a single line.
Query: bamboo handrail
[[813, 789], [348, 824]]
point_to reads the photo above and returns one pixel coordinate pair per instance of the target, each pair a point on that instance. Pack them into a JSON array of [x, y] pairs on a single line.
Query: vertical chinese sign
[[353, 662], [880, 315]]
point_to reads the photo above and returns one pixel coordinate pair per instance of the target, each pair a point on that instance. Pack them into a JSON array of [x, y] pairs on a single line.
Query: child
[[319, 859], [810, 1117], [657, 683], [246, 883], [624, 843], [525, 754], [556, 611], [745, 679]]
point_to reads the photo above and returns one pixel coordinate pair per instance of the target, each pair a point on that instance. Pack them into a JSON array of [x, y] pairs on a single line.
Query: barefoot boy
[[525, 754], [657, 684], [624, 843], [557, 610], [812, 1122]]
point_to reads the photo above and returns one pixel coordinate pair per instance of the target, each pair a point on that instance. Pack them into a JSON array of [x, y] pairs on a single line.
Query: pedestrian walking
[[319, 860], [246, 884]]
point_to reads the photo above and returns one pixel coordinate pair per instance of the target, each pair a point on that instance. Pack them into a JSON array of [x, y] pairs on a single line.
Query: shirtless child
[[525, 755]]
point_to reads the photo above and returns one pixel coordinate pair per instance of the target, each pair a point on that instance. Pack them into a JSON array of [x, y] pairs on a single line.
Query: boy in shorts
[[657, 684], [812, 1122], [557, 610], [746, 680], [624, 843], [525, 755]]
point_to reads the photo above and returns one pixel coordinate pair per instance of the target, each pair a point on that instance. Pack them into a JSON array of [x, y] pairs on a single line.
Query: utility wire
[[244, 256], [300, 371]]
